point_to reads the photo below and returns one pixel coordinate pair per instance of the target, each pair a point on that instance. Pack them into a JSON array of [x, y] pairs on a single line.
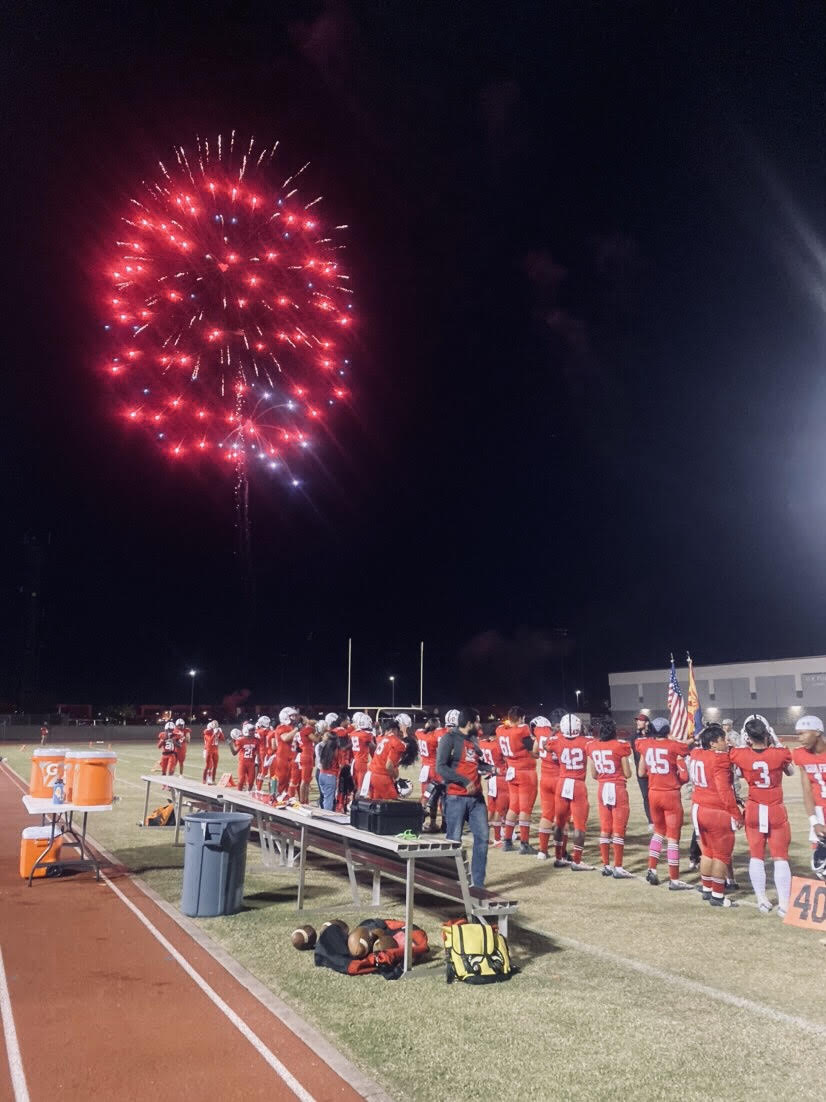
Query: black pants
[[643, 783]]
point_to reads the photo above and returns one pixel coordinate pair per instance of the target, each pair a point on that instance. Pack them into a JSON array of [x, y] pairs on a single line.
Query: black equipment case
[[386, 816]]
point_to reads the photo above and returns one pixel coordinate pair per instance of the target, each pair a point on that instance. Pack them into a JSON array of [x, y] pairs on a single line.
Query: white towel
[[609, 794]]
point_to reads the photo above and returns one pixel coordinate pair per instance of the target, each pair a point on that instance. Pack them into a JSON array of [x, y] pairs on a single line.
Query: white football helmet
[[235, 733], [809, 723], [246, 727], [286, 715], [570, 725], [170, 726], [540, 721], [404, 720], [331, 719], [213, 725], [452, 717], [263, 721], [364, 722], [179, 723]]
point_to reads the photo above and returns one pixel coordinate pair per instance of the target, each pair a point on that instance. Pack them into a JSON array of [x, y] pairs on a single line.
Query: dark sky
[[590, 394]]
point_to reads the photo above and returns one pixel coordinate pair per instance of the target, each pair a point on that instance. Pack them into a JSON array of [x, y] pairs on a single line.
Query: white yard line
[[18, 1076], [281, 1071]]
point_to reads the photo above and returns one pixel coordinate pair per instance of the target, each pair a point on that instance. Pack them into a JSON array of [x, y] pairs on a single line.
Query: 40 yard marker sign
[[807, 907]]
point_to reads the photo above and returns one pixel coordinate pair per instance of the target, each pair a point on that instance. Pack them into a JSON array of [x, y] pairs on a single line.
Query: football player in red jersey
[[168, 746], [305, 758], [516, 744], [263, 732], [280, 749], [611, 768], [810, 755], [547, 749], [762, 766], [662, 761], [245, 747], [212, 736], [498, 791], [427, 739], [571, 792], [361, 741], [184, 735], [383, 771], [714, 810]]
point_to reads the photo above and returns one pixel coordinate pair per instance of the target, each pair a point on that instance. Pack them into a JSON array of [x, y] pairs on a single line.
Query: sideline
[[18, 1075], [281, 1071], [360, 1082]]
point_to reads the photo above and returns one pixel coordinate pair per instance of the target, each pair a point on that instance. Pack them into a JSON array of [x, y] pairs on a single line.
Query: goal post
[[383, 707]]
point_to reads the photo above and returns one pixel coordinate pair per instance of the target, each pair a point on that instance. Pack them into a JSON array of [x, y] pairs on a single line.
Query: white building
[[781, 690]]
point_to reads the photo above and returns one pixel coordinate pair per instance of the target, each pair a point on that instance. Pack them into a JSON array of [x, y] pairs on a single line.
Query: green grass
[[573, 1024]]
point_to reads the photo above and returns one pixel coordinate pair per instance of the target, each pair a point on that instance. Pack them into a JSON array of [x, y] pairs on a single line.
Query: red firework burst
[[229, 311]]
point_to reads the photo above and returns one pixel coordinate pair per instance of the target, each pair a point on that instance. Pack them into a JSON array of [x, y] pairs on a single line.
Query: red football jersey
[[512, 743], [711, 776], [606, 757], [763, 771], [389, 749], [283, 750], [814, 765], [168, 741], [212, 737], [428, 744], [662, 757], [492, 754], [360, 742], [306, 744], [572, 756], [345, 753], [547, 744], [247, 747]]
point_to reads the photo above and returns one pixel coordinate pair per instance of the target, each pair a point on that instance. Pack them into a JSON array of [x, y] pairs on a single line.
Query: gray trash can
[[215, 859]]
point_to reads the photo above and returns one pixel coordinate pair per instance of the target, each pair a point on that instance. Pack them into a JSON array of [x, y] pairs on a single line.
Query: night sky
[[589, 425]]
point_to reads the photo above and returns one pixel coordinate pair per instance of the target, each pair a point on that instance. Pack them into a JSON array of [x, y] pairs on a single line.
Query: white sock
[[783, 883], [757, 874]]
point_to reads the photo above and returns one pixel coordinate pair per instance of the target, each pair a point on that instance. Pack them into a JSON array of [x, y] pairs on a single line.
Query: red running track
[[102, 1008]]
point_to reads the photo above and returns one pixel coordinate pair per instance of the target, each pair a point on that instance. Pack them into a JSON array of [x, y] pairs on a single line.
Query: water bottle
[[59, 791]]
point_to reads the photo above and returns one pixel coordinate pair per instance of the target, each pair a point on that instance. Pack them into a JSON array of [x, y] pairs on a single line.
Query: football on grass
[[337, 922], [304, 937], [360, 942], [384, 942]]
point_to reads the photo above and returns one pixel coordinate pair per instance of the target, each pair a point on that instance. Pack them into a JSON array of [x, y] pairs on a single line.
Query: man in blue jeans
[[457, 763]]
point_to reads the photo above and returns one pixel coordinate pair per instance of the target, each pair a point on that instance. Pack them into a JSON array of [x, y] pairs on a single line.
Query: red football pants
[[776, 830], [666, 809], [613, 820], [714, 831], [168, 763], [575, 809]]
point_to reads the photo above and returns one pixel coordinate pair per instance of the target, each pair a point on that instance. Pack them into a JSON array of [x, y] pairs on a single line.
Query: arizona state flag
[[695, 712]]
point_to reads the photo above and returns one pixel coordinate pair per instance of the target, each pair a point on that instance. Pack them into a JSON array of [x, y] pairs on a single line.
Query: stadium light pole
[[192, 674], [577, 694], [392, 681]]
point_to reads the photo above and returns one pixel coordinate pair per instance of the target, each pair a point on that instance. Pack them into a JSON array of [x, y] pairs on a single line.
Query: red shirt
[[283, 750], [468, 766], [263, 735], [763, 771], [168, 741], [389, 749], [360, 742], [547, 742], [344, 753], [514, 742], [814, 765], [663, 759], [711, 776], [571, 753], [606, 757], [428, 744], [307, 745], [492, 754], [247, 747], [212, 737]]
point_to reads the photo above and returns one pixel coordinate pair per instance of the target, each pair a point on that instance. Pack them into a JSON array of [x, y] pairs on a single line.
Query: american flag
[[676, 706]]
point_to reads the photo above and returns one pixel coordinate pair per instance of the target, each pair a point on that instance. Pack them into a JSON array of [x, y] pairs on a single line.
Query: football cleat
[[526, 849], [623, 874], [726, 901], [652, 878], [542, 856], [559, 863], [607, 870], [781, 912], [582, 868], [507, 845], [732, 886], [706, 895], [679, 886], [765, 907], [497, 844]]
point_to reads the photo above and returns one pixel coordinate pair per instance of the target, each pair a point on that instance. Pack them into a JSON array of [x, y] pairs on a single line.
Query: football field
[[623, 989]]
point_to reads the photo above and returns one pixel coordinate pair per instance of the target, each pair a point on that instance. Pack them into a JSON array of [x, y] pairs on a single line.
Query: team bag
[[475, 953], [162, 816]]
